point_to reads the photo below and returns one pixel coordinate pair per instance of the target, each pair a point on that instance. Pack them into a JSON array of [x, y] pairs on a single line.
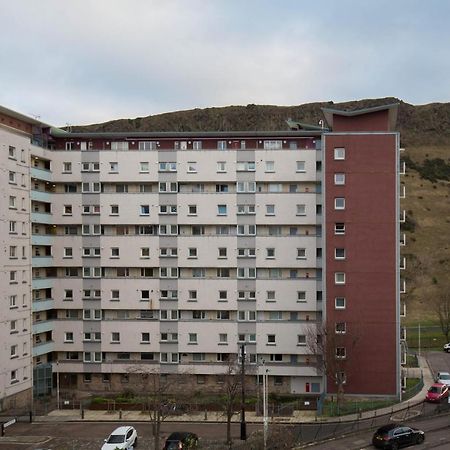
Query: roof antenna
[[69, 127], [322, 123]]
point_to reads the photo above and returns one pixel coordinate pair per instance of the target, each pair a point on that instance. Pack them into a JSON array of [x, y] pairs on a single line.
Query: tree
[[441, 305], [155, 392], [331, 346]]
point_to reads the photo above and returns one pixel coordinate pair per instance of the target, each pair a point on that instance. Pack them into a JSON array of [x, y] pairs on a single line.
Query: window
[[115, 252], [199, 315], [198, 272], [223, 338], [14, 376], [68, 294], [145, 252], [147, 145], [12, 227], [145, 338], [223, 315], [339, 153], [67, 167], [68, 337], [270, 296], [192, 338], [114, 211], [301, 253], [270, 166], [223, 295], [301, 210], [339, 203], [12, 177], [115, 337], [221, 187], [13, 277], [168, 230], [192, 296], [223, 272], [119, 145], [246, 209], [192, 210], [339, 253], [247, 166], [167, 166], [300, 166], [12, 202], [192, 253], [339, 228], [192, 167], [340, 353], [270, 253], [339, 277], [196, 145], [301, 339], [270, 210], [339, 303], [222, 210], [168, 187], [221, 145], [221, 166], [271, 340], [246, 186], [13, 252], [144, 167], [340, 327], [275, 187], [115, 295], [113, 167], [145, 210], [67, 210], [222, 253], [301, 296], [222, 230], [339, 178], [273, 145], [168, 272], [12, 152], [341, 378]]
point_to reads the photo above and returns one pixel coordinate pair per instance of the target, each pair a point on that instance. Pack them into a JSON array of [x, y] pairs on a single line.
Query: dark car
[[181, 440], [394, 436]]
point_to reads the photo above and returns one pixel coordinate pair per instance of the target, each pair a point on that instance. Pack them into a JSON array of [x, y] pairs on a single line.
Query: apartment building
[[168, 252]]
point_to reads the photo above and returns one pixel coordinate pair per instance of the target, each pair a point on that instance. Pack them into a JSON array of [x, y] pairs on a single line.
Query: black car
[[181, 440], [394, 436]]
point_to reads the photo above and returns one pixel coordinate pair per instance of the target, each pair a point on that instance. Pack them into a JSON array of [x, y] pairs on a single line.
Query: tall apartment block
[[127, 253]]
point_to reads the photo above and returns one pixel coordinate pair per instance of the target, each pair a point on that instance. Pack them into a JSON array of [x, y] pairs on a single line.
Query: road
[[438, 361], [436, 429], [90, 435]]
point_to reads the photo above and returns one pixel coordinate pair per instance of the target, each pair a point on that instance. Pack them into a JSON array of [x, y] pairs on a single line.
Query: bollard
[[82, 413], [31, 416], [2, 430], [120, 414], [206, 414]]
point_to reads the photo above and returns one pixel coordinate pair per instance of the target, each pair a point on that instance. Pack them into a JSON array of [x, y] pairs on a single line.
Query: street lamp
[[243, 424], [265, 401]]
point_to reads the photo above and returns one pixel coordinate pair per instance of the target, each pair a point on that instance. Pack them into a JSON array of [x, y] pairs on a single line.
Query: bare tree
[[156, 390], [331, 346], [441, 306]]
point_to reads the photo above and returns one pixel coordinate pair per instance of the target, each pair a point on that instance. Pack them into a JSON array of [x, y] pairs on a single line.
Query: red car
[[437, 392]]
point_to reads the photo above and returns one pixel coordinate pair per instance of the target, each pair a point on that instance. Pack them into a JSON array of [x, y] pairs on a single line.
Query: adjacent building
[[128, 253]]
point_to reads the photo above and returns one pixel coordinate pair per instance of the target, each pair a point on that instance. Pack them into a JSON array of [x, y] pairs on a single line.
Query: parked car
[[394, 436], [181, 440], [443, 377], [447, 347], [437, 392], [121, 438]]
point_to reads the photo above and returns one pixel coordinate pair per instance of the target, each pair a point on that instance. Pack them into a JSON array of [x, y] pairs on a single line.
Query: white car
[[447, 347], [443, 377], [120, 438]]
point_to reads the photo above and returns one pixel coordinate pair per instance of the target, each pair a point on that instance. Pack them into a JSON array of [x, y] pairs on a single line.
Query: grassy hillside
[[425, 133]]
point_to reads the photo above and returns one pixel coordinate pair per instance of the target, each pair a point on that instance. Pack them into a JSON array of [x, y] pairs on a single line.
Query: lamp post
[[265, 402], [57, 384], [243, 424]]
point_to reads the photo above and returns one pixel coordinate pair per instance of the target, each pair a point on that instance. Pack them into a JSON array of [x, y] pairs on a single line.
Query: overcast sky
[[86, 61]]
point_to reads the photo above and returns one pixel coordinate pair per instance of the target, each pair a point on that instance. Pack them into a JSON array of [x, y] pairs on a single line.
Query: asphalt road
[[438, 361], [90, 435]]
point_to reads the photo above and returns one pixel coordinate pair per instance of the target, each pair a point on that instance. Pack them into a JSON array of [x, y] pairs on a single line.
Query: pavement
[[251, 417]]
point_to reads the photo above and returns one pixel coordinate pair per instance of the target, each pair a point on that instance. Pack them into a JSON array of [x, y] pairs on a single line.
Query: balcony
[[43, 327], [46, 218], [40, 196], [42, 240], [42, 261], [41, 174], [43, 348], [43, 305], [42, 283]]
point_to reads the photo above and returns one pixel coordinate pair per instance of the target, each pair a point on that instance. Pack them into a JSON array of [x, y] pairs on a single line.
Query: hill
[[425, 134]]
